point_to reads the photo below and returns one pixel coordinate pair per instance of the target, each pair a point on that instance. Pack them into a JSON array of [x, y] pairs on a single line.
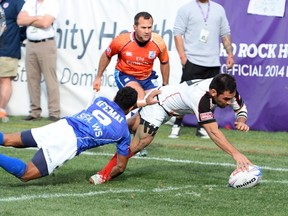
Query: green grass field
[[186, 176]]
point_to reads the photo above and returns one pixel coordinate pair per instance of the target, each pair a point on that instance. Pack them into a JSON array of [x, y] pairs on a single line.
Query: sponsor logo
[[152, 54], [206, 116], [246, 183], [48, 156], [129, 54], [108, 50], [126, 79]]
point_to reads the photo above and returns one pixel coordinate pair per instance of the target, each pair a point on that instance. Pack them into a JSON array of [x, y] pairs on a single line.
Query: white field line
[[180, 161], [98, 193], [155, 190], [274, 182], [94, 193], [59, 195], [188, 161]]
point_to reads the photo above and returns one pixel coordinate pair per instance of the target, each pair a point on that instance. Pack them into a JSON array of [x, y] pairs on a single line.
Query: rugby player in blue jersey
[[101, 123]]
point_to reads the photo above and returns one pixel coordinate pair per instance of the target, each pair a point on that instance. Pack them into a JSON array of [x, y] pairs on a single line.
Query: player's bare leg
[[13, 140], [15, 166], [5, 94]]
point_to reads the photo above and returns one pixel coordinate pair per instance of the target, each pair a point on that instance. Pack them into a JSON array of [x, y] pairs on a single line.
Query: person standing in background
[[41, 55], [198, 26], [10, 50]]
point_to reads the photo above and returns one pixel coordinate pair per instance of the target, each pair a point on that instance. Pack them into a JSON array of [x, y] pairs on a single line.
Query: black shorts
[[192, 71], [38, 159]]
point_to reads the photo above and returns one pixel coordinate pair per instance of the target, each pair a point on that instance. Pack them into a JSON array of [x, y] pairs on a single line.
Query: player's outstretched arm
[[220, 140]]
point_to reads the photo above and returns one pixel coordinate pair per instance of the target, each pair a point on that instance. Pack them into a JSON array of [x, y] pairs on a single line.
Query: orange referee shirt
[[135, 60]]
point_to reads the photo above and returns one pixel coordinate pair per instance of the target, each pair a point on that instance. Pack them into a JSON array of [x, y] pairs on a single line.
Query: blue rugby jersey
[[10, 40], [103, 122]]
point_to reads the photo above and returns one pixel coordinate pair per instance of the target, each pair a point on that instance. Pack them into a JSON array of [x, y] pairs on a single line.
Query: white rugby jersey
[[193, 97]]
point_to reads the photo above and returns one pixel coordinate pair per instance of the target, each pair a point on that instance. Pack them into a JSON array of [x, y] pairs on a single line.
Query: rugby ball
[[245, 179]]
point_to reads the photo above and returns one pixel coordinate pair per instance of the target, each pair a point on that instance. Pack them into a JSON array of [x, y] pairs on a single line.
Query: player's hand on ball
[[242, 161]]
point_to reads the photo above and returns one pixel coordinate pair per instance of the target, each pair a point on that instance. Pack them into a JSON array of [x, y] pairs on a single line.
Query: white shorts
[[154, 114], [58, 142]]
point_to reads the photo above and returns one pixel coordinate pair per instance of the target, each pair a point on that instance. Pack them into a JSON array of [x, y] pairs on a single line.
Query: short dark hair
[[223, 82], [143, 14], [126, 98]]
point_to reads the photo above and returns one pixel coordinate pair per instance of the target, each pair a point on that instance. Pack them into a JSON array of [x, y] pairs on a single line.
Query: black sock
[[178, 122]]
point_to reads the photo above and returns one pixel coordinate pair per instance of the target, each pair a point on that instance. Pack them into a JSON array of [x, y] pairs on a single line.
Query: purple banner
[[260, 46]]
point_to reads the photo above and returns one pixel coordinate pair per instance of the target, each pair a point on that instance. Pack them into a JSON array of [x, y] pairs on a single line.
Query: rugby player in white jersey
[[200, 97]]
